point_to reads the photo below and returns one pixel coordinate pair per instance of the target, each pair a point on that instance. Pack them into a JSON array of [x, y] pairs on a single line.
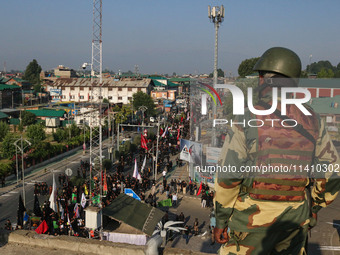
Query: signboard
[[131, 193], [68, 171], [55, 94], [213, 154], [191, 151]]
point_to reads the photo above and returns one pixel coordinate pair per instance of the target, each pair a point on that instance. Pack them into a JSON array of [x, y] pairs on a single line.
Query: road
[[9, 201]]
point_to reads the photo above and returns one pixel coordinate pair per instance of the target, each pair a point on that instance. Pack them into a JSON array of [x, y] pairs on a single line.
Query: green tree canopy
[[27, 118], [4, 128], [325, 73], [122, 113], [59, 135], [7, 145], [316, 67], [6, 167], [246, 67], [36, 133], [32, 74], [220, 73], [142, 99], [107, 164]]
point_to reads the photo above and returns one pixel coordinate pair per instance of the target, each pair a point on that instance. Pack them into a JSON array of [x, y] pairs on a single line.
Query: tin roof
[[47, 113], [5, 86], [107, 82]]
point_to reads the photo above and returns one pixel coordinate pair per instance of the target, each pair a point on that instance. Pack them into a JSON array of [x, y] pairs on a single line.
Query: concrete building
[[163, 94], [64, 72], [10, 96], [321, 87], [79, 89]]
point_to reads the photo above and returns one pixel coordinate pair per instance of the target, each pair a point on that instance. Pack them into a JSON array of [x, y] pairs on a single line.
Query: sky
[[166, 36]]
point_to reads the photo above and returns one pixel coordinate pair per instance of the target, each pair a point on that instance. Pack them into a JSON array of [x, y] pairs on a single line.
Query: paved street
[[9, 195], [324, 237]]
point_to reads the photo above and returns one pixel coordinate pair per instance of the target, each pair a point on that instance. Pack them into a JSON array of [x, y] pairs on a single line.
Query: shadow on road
[[336, 225], [4, 237], [314, 248]]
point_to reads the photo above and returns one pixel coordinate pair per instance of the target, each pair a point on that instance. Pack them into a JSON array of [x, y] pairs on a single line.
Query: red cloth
[[144, 142], [42, 228], [199, 190]]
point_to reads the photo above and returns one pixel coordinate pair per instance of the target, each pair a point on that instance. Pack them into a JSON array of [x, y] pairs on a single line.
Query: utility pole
[[216, 15]]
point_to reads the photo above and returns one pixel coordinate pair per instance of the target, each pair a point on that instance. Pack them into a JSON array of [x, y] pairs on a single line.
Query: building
[[329, 110], [64, 72], [25, 85], [163, 94], [79, 89], [10, 96], [321, 87]]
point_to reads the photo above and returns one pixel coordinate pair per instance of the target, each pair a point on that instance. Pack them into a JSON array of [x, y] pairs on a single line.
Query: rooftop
[[48, 113], [326, 105], [107, 82], [9, 87], [319, 83]]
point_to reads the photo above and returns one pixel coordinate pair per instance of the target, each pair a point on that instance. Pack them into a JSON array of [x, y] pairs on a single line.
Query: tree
[[246, 67], [220, 73], [317, 67], [59, 135], [7, 146], [107, 164], [142, 99], [36, 133], [32, 74], [27, 118], [325, 73], [106, 101], [4, 128], [122, 113], [6, 167]]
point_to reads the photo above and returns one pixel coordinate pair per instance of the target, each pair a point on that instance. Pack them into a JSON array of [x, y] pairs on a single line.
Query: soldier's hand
[[221, 235]]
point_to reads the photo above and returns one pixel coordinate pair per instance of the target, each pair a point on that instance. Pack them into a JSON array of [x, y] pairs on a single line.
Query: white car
[[152, 119]]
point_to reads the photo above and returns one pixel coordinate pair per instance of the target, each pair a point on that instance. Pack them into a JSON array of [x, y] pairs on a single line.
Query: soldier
[[269, 213]]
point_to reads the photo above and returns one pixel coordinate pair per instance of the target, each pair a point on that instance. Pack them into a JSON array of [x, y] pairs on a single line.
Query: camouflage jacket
[[238, 210]]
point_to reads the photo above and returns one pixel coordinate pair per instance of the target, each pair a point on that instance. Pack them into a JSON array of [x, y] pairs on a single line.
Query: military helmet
[[281, 61]]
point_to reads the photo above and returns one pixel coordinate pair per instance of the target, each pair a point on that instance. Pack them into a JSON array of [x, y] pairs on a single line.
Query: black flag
[[21, 210], [36, 209]]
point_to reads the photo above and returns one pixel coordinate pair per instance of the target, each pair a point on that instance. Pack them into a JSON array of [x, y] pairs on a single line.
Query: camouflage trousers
[[264, 243]]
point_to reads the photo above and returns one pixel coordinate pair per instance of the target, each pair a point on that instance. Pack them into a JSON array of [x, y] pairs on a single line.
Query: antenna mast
[[96, 155]]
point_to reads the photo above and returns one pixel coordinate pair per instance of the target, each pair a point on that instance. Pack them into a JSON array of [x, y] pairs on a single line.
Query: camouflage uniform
[[276, 224]]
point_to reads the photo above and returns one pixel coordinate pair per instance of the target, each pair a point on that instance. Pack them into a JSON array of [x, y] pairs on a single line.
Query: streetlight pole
[[21, 149], [16, 163], [216, 15], [158, 124], [143, 109]]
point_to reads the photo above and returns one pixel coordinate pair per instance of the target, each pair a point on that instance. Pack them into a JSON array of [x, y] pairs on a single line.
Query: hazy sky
[[166, 36]]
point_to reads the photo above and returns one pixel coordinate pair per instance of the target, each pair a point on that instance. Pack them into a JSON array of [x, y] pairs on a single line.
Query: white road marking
[[329, 248], [6, 195], [13, 192], [332, 223]]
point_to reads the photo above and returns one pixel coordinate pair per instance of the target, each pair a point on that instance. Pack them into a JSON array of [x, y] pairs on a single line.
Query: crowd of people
[[68, 218]]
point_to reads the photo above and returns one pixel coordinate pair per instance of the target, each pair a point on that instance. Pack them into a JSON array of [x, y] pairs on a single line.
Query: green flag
[[96, 199], [166, 202], [55, 225], [74, 198]]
